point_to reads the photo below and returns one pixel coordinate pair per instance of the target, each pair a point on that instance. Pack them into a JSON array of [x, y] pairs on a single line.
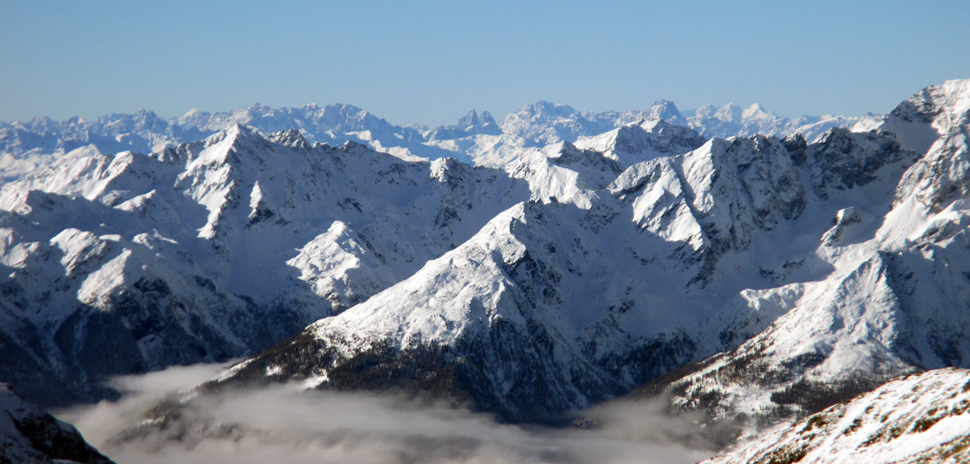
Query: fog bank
[[284, 424]]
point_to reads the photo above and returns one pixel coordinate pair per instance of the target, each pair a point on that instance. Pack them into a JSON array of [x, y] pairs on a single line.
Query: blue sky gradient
[[430, 62]]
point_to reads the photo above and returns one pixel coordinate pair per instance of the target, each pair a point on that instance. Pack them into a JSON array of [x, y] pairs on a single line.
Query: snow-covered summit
[[930, 114], [733, 121], [543, 122]]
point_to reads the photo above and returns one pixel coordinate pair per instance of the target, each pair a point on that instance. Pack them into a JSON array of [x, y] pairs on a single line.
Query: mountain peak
[[756, 111], [476, 120], [473, 123], [292, 138], [469, 119], [666, 110], [236, 129], [729, 113], [547, 109], [145, 113]]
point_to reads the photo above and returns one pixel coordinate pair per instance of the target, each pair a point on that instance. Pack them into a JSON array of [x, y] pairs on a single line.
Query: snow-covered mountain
[[144, 132], [30, 435], [545, 123], [921, 418], [645, 139]]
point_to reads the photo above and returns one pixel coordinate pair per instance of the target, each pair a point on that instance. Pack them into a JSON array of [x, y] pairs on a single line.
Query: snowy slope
[[30, 435], [921, 418]]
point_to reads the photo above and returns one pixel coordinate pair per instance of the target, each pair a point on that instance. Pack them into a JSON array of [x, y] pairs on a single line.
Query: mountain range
[[757, 278], [475, 139]]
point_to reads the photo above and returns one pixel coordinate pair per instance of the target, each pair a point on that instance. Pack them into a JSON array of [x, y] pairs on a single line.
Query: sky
[[430, 62]]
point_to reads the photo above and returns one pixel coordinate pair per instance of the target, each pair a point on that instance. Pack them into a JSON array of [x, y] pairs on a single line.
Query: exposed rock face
[[29, 435]]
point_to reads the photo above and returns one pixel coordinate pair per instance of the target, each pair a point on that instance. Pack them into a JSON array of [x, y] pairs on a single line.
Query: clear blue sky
[[430, 62]]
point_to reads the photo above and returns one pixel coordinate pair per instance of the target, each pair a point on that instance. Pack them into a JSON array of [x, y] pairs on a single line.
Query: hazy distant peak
[[474, 119], [664, 109], [756, 111], [729, 113], [547, 109]]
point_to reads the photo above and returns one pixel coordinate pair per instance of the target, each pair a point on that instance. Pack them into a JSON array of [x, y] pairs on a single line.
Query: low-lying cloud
[[284, 424]]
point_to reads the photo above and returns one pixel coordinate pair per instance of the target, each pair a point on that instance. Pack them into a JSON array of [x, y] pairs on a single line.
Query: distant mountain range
[[756, 278], [476, 138]]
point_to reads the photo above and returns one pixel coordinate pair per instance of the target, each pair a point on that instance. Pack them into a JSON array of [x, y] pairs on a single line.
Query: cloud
[[286, 424]]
